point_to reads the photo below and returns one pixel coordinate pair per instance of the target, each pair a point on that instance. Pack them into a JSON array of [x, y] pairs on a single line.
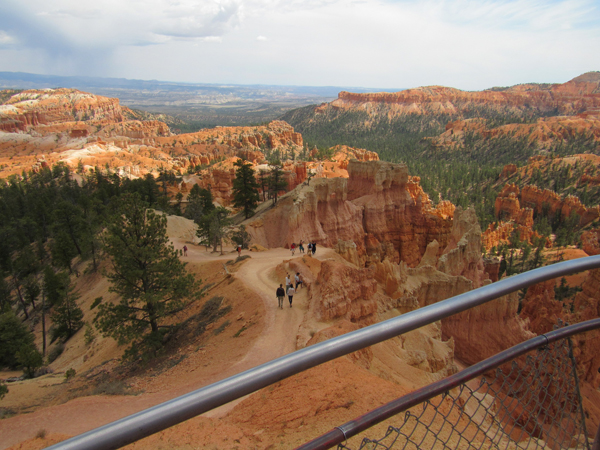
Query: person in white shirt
[[290, 293]]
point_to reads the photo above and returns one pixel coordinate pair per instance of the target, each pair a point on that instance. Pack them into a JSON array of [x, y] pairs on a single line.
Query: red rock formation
[[345, 292], [575, 96], [515, 208], [34, 107], [512, 204], [540, 307], [377, 208], [507, 170], [590, 241], [462, 256]]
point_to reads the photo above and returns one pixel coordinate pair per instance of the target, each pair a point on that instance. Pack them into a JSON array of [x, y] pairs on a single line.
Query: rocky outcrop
[[590, 241], [536, 199], [519, 205], [516, 207], [377, 208], [41, 107], [345, 292], [462, 256]]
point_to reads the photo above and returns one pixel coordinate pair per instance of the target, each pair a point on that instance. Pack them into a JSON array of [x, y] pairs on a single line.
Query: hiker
[[314, 247], [239, 250], [293, 248], [280, 293], [185, 250], [290, 293], [288, 282], [309, 247], [300, 246], [299, 281]]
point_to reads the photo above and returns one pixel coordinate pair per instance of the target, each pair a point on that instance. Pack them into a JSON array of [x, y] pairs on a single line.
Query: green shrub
[[30, 359], [114, 387], [70, 373], [89, 335], [96, 302]]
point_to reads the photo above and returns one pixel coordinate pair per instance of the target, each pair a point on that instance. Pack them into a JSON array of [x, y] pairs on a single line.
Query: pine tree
[[199, 203], [245, 188], [211, 227], [67, 316], [277, 181], [13, 335], [146, 273]]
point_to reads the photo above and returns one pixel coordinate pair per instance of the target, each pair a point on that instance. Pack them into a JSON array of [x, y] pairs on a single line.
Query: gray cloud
[[201, 21], [376, 43]]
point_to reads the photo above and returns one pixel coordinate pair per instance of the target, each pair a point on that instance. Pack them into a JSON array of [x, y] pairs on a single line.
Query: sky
[[469, 45]]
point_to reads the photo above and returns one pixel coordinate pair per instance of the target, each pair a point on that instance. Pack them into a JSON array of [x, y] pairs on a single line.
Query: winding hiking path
[[277, 339]]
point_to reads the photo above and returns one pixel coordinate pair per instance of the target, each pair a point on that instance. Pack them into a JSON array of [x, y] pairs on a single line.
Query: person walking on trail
[[314, 248], [293, 248], [288, 281], [185, 250], [290, 293], [298, 280], [300, 246], [309, 247], [280, 293], [239, 250]]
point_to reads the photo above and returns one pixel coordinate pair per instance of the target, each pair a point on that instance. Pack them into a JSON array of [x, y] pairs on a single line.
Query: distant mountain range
[[152, 92]]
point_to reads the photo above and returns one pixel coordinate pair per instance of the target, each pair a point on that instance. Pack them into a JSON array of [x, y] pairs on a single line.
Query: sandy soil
[[277, 337]]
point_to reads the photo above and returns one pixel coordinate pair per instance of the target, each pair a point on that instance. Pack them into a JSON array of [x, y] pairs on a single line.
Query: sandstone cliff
[[576, 96], [377, 208]]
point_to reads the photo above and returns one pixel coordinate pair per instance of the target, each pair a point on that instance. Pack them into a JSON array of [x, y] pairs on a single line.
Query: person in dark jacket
[[280, 294]]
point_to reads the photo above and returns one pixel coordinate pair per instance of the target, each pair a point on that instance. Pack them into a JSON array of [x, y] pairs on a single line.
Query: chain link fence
[[531, 403]]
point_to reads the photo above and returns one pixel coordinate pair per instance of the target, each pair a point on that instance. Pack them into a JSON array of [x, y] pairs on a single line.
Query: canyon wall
[[377, 208], [575, 96]]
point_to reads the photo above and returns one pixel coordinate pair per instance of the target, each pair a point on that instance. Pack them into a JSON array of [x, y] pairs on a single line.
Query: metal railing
[[172, 412], [543, 395]]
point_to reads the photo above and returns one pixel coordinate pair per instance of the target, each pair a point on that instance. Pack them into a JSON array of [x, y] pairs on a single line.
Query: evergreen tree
[[245, 188], [200, 202], [277, 181], [263, 180], [30, 359], [13, 335], [211, 227], [67, 316], [146, 273], [241, 237]]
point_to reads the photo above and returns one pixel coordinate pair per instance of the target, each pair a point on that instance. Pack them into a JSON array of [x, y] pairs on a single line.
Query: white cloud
[[261, 38], [6, 39]]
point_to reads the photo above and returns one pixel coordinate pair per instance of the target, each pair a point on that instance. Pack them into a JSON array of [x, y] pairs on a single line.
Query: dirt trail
[[277, 339]]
